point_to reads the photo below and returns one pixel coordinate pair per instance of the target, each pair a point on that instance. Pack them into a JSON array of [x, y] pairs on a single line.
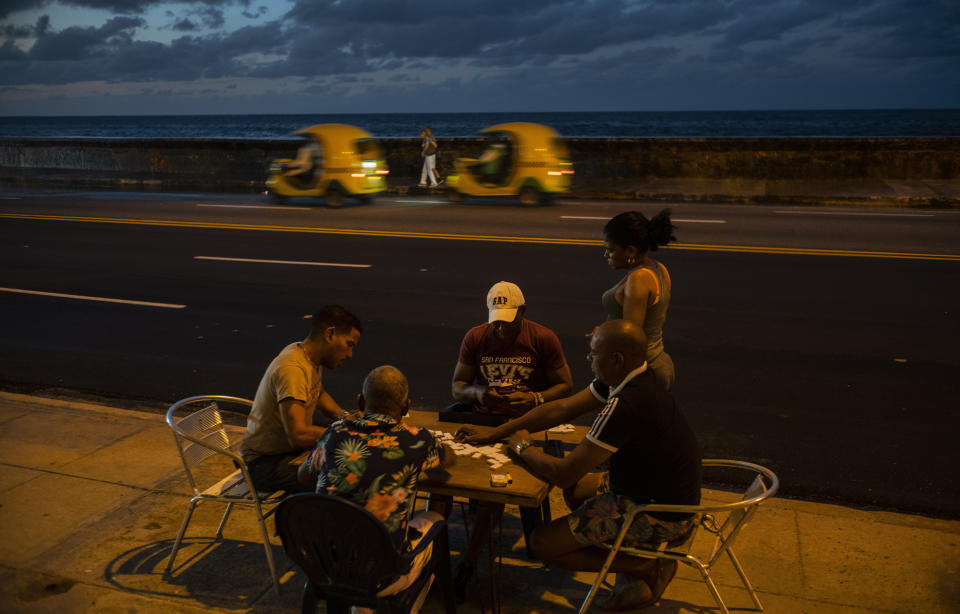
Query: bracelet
[[520, 446], [539, 398]]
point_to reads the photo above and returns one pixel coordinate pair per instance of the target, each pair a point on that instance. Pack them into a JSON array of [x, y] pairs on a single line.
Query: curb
[[79, 406]]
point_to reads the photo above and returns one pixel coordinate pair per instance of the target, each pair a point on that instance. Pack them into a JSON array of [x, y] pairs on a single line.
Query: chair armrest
[[429, 537]]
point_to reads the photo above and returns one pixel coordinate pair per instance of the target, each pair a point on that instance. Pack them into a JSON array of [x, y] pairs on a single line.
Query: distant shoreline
[[866, 123]]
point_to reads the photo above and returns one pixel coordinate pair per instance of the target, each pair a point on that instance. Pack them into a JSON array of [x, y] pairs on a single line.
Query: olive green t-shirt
[[291, 375]]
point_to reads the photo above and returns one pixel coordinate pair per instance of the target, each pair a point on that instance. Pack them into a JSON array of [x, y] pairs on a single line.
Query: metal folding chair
[[199, 436], [726, 529]]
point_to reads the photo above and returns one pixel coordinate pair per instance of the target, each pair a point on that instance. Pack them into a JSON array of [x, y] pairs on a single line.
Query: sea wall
[[907, 171]]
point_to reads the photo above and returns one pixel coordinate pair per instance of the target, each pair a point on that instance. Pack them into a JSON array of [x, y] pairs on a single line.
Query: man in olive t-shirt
[[281, 423]]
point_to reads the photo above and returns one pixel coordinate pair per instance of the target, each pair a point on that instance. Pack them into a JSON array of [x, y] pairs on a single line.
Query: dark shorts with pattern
[[600, 518]]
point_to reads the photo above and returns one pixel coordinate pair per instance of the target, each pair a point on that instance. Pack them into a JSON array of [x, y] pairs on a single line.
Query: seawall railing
[[904, 171]]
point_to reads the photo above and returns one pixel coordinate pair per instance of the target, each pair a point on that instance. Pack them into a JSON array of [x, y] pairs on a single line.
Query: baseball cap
[[503, 300]]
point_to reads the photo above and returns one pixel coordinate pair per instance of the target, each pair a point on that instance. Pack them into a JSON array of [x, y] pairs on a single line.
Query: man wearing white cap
[[506, 367], [510, 364]]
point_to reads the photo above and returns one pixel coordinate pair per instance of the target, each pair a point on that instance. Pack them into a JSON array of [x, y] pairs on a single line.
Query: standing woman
[[429, 153], [643, 295]]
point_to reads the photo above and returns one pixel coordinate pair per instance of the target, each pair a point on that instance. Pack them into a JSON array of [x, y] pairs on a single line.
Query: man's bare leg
[[585, 488], [555, 545]]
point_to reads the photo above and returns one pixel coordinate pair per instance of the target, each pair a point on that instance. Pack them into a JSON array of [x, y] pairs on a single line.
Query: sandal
[[665, 573], [628, 594]]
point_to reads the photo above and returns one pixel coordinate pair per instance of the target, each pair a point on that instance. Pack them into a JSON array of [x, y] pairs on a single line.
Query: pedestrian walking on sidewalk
[[428, 151]]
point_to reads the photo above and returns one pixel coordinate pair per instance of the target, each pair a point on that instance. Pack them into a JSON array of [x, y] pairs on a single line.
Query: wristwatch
[[521, 445]]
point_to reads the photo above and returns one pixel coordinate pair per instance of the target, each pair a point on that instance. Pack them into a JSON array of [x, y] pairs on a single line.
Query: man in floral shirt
[[375, 460]]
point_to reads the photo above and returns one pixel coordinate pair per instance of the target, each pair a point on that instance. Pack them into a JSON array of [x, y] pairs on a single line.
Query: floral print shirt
[[374, 461]]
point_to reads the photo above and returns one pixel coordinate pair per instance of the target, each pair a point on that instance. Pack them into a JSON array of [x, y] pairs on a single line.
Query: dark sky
[[74, 57]]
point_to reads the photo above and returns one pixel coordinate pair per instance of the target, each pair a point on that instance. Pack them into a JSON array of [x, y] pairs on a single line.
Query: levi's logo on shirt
[[506, 374]]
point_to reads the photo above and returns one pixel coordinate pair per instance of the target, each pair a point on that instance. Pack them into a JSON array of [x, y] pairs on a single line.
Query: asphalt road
[[820, 342]]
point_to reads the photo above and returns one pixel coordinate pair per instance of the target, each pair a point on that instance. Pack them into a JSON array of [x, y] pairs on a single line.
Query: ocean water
[[848, 123]]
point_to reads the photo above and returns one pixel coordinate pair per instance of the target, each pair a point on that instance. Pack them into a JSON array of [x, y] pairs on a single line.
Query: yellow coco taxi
[[334, 161], [521, 160]]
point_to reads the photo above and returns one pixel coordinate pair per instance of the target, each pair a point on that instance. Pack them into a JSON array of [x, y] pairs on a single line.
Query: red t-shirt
[[524, 363]]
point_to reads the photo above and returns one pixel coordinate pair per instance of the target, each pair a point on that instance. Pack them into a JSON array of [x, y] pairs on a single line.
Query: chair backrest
[[739, 517], [202, 433], [344, 550]]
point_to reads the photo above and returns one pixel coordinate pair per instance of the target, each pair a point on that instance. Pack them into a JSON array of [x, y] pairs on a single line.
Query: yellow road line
[[472, 237]]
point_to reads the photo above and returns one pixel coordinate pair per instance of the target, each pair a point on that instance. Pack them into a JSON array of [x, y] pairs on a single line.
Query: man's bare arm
[[449, 457], [566, 471], [543, 417], [561, 383], [463, 388], [329, 408], [298, 424]]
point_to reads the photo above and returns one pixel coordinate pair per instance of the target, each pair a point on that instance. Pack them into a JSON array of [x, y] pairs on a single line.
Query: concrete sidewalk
[[91, 498]]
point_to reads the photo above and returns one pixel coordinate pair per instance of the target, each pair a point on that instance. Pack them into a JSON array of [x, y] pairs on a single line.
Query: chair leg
[[601, 576], [223, 521], [708, 580], [743, 578], [308, 601], [183, 530], [441, 550], [267, 548]]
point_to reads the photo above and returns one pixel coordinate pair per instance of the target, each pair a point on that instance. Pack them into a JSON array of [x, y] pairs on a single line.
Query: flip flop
[[627, 595], [663, 579]]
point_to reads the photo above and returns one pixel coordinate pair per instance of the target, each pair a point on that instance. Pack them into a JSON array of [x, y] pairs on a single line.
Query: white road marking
[[334, 264], [93, 298], [422, 202], [857, 213], [676, 219], [255, 207]]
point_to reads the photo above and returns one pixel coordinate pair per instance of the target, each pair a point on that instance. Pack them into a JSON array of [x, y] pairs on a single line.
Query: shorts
[[600, 518]]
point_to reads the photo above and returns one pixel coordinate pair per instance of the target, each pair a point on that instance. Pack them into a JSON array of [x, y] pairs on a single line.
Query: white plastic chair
[[764, 485], [199, 436]]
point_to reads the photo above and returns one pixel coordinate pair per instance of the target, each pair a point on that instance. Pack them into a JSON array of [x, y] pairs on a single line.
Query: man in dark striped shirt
[[653, 458]]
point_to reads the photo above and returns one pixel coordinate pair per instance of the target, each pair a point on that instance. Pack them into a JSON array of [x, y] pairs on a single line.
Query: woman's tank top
[[656, 314]]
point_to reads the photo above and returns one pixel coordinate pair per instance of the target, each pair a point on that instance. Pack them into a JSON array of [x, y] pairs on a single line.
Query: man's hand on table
[[469, 434], [521, 435], [519, 441]]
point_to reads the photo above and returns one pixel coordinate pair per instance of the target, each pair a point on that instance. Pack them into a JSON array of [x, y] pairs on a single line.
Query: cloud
[[611, 48], [10, 53], [126, 7], [260, 12], [77, 42], [17, 31], [8, 7], [184, 25], [212, 17]]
